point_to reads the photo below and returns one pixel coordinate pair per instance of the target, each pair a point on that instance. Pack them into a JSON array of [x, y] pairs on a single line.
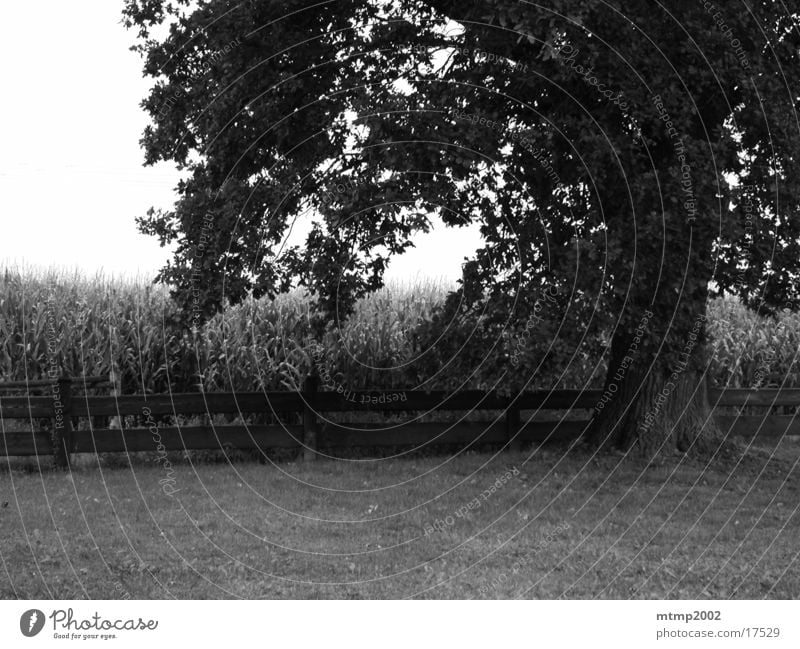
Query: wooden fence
[[64, 407]]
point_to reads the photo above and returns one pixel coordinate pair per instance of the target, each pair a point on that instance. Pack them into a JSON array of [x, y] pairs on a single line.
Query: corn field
[[125, 328], [752, 351]]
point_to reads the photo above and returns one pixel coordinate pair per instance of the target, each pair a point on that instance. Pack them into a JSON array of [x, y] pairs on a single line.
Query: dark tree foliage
[[631, 158]]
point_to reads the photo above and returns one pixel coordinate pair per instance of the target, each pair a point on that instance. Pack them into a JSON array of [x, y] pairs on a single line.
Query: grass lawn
[[559, 523]]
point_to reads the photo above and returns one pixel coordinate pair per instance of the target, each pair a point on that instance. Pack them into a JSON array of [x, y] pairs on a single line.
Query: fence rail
[[507, 426]]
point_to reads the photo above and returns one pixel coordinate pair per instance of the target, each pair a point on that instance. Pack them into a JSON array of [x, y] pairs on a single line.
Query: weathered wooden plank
[[26, 407], [30, 443], [188, 403], [368, 401], [760, 426], [416, 434], [363, 401], [343, 435], [40, 383], [762, 397], [275, 436], [540, 431], [174, 438], [559, 400]]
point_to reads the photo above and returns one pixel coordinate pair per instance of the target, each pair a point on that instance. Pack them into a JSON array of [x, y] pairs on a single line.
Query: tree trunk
[[652, 407]]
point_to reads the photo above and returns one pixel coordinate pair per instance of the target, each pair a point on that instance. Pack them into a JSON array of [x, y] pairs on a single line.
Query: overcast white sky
[[71, 174]]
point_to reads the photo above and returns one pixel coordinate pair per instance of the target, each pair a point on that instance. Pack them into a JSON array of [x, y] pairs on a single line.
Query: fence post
[[310, 388], [513, 438], [62, 435]]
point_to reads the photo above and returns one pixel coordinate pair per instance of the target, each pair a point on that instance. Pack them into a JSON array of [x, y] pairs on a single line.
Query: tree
[[630, 159]]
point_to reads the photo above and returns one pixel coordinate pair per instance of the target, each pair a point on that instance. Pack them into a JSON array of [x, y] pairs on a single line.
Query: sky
[[72, 180]]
